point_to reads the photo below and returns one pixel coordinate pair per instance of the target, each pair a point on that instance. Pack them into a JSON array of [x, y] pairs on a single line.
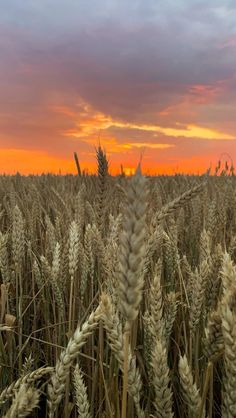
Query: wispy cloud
[[91, 121]]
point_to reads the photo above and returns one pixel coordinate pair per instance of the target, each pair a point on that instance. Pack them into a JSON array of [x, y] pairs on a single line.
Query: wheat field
[[118, 295]]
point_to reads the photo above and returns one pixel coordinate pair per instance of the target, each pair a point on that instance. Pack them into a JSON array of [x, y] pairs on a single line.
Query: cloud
[[91, 121], [154, 74]]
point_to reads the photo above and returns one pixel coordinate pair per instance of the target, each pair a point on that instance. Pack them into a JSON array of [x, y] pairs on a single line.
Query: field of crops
[[118, 295]]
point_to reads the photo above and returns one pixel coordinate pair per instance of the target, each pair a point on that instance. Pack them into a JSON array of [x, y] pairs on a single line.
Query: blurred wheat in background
[[118, 295]]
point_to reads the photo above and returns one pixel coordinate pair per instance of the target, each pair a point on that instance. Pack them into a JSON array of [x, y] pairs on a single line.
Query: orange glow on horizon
[[33, 162], [36, 162]]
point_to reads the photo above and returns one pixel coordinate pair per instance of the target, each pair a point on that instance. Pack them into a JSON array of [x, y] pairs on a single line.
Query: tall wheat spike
[[132, 249], [131, 261], [102, 180]]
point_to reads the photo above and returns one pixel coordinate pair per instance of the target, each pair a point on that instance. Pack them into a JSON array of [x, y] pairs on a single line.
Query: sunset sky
[[152, 78]]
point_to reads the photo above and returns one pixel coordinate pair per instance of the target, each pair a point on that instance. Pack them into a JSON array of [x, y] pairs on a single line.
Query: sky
[[153, 79]]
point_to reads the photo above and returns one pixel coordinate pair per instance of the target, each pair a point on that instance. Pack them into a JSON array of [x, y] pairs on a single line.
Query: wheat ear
[[27, 379], [57, 386], [131, 261], [113, 327], [190, 391], [25, 400], [214, 342], [81, 396], [179, 202], [161, 381]]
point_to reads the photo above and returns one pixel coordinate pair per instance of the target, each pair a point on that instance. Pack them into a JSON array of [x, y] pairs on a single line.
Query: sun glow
[[129, 171]]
